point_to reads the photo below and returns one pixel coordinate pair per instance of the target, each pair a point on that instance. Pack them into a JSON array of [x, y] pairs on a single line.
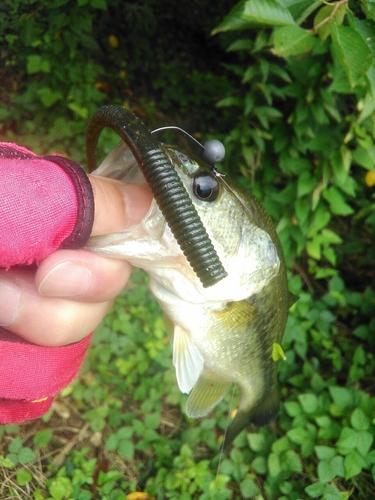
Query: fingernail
[[67, 280], [10, 299]]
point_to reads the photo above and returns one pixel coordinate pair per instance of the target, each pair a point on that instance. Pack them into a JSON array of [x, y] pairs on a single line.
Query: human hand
[[66, 298]]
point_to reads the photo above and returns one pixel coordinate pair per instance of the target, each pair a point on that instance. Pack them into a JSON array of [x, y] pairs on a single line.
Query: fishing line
[[221, 453]]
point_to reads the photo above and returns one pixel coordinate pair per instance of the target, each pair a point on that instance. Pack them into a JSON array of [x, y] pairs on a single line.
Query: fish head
[[233, 223]]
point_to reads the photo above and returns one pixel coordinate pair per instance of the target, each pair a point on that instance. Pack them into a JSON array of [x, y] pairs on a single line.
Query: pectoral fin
[[187, 359], [207, 393]]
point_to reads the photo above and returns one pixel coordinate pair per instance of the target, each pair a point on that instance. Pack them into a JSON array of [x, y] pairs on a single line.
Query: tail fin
[[261, 415]]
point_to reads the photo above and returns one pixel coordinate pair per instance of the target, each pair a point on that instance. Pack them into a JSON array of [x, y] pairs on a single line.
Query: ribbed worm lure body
[[165, 184]]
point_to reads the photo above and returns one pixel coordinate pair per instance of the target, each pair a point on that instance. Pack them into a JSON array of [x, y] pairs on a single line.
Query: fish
[[223, 334]]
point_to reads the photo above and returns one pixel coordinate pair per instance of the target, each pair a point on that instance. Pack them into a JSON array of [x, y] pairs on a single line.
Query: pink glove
[[46, 204]]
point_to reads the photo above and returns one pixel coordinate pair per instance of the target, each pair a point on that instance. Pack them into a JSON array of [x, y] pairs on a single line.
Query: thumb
[[118, 205]]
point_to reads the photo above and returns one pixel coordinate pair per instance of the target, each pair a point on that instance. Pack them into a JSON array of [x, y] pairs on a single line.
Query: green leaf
[[366, 29], [16, 445], [302, 9], [353, 53], [324, 452], [60, 488], [359, 420], [292, 408], [332, 493], [337, 465], [305, 184], [302, 213], [99, 4], [274, 465], [81, 111], [293, 41], [348, 440], [298, 435], [364, 442], [278, 352], [313, 248], [7, 462], [342, 397], [281, 445], [362, 157], [152, 420], [248, 488], [126, 449], [291, 461], [26, 455], [324, 19], [241, 44], [354, 463], [266, 13], [23, 477], [233, 21], [320, 220], [325, 472], [257, 441], [35, 64], [259, 464], [42, 438], [229, 101], [330, 237], [329, 469], [49, 97], [369, 8], [314, 490], [124, 433], [309, 402], [336, 202]]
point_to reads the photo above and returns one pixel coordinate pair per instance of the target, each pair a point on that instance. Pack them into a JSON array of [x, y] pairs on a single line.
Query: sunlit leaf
[[293, 40], [267, 13], [23, 477], [326, 16], [233, 21], [278, 352], [353, 53]]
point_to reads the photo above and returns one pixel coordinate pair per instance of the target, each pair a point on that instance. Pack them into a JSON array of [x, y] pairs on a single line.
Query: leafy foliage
[[295, 95]]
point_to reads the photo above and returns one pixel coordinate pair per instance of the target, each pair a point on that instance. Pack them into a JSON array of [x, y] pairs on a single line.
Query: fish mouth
[[121, 165]]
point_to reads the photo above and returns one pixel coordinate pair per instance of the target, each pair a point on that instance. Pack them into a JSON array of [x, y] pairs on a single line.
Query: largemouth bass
[[225, 333]]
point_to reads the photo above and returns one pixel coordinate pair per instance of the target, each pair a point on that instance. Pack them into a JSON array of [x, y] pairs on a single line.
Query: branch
[[331, 16]]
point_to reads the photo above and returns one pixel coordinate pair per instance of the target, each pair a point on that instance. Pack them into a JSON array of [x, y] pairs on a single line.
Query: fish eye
[[205, 186]]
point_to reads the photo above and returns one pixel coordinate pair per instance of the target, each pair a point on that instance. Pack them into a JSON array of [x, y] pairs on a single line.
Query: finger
[[44, 320], [118, 205], [81, 275]]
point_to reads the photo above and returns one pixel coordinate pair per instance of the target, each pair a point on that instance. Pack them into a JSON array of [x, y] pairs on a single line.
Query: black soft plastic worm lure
[[165, 184]]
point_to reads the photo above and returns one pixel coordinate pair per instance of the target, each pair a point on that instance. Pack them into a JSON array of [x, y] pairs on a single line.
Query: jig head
[[165, 184]]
